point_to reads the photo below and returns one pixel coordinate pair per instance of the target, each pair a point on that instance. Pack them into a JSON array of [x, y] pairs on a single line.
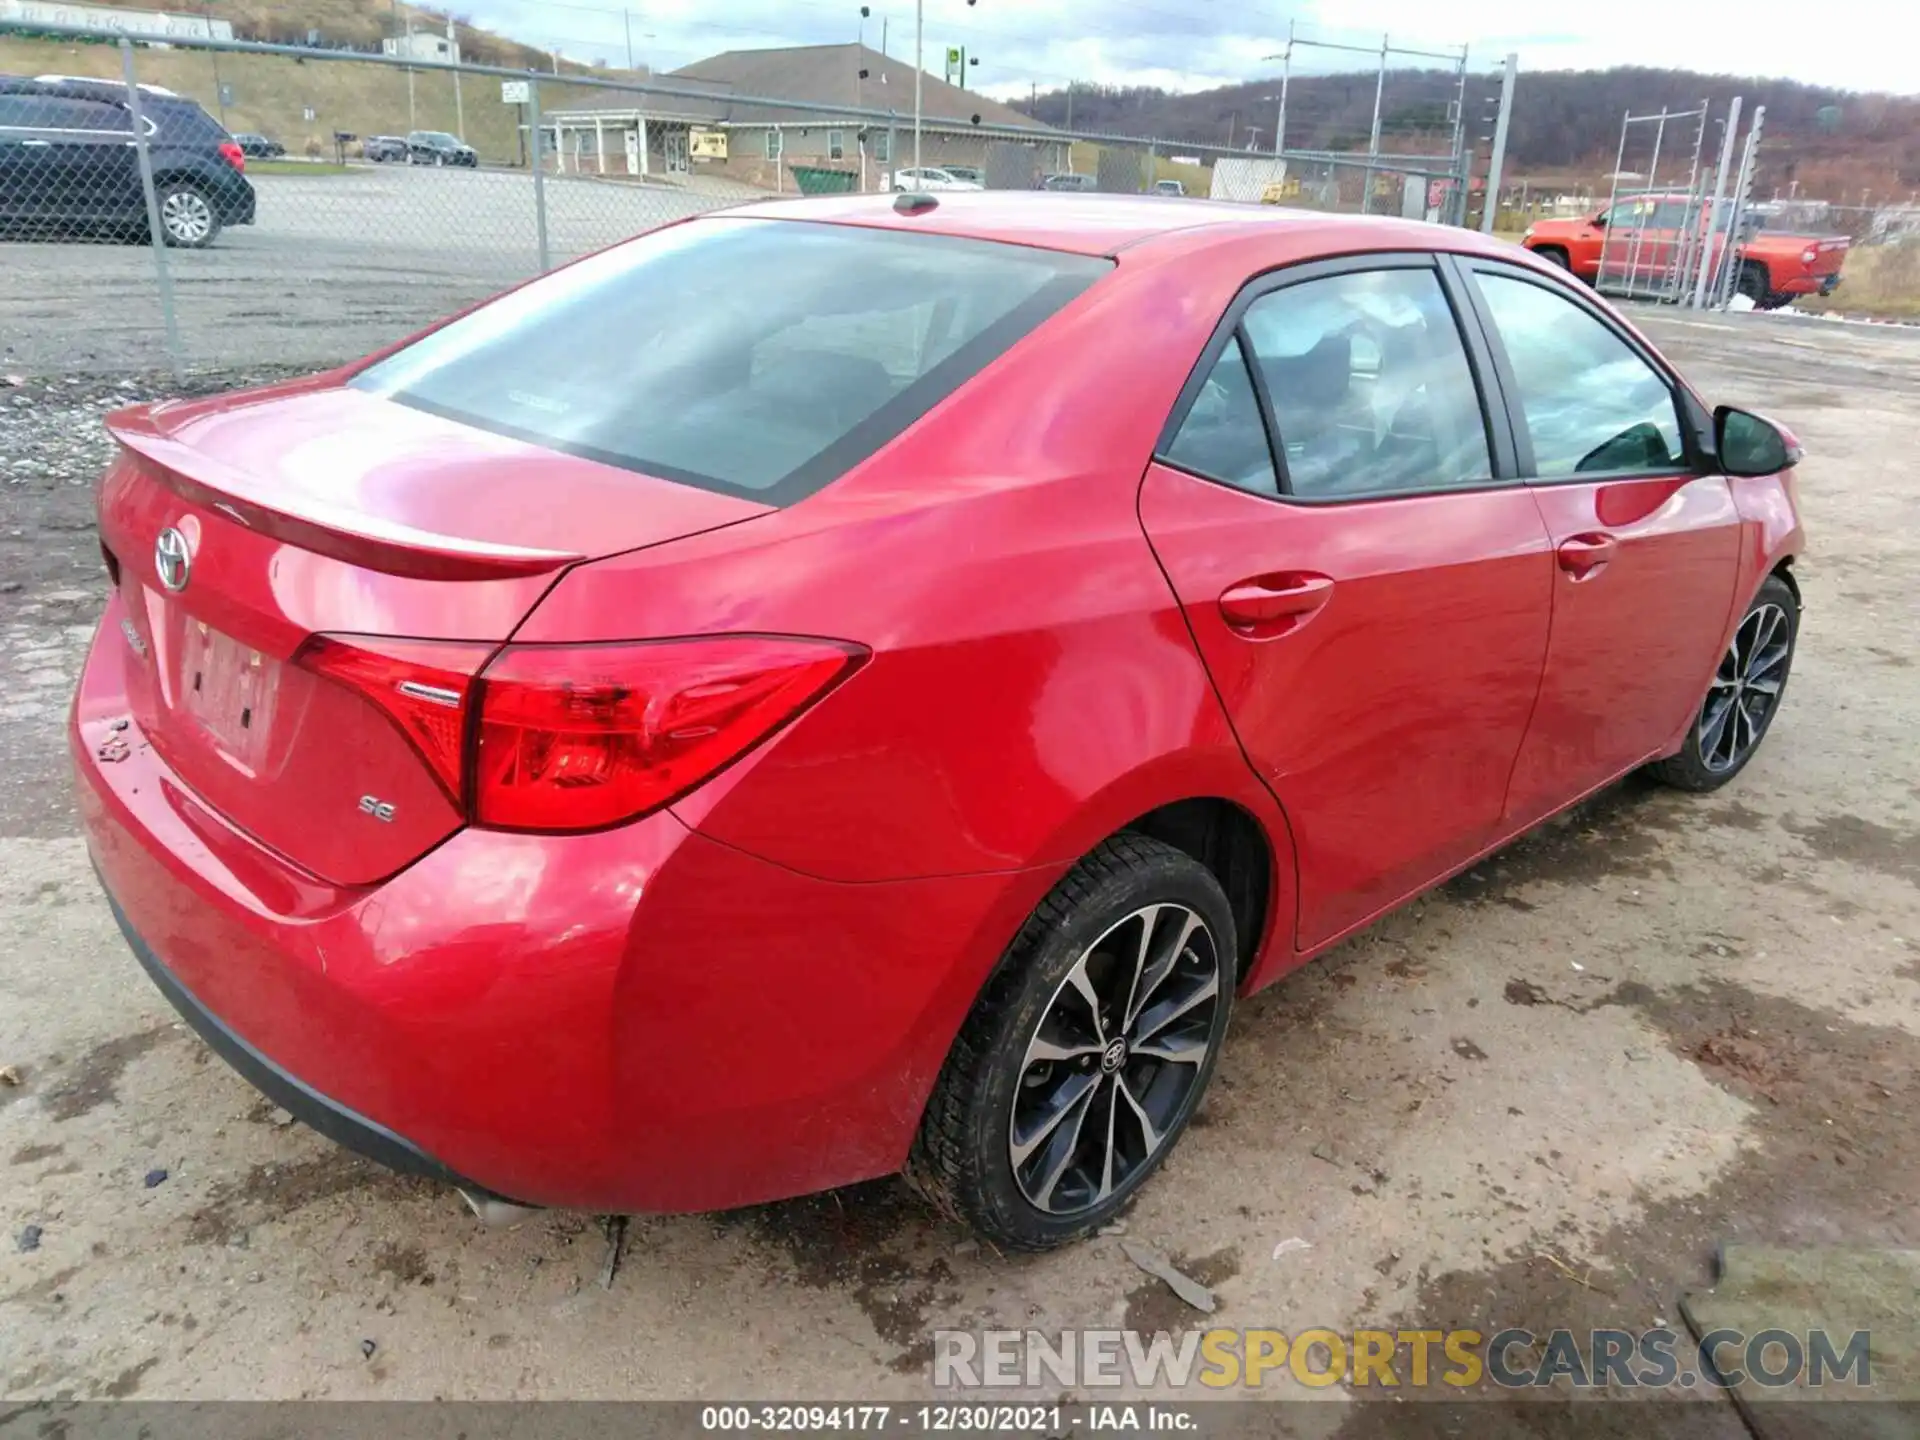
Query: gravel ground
[[1537, 1097], [335, 266]]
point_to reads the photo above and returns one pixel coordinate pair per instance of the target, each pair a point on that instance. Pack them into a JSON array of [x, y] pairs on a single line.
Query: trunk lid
[[320, 511]]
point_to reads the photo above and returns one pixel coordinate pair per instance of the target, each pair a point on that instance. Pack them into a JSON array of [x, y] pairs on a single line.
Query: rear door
[[1368, 590], [1646, 544]]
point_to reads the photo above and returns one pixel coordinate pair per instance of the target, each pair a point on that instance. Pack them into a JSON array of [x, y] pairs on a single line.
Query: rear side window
[[183, 122], [756, 357], [1590, 403]]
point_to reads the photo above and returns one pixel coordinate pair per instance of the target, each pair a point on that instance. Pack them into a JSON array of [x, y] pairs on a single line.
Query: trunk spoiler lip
[[335, 531]]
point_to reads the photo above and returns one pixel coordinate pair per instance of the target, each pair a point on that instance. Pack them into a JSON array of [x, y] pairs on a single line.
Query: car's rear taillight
[[582, 737], [424, 686], [233, 155]]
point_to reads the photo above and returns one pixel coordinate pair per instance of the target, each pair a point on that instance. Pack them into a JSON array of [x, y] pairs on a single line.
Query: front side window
[[1591, 404], [1369, 384], [755, 357]]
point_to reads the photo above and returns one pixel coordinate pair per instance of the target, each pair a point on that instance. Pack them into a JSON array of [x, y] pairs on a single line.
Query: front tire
[[1554, 255], [1744, 696], [1086, 1054]]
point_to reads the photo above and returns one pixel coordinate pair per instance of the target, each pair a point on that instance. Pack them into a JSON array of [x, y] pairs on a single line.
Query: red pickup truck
[[1639, 247]]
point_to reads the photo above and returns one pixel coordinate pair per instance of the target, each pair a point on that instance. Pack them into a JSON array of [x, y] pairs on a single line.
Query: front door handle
[[1269, 605], [1581, 555]]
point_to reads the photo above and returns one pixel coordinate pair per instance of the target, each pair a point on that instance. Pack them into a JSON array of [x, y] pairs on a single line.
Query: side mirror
[[1750, 445]]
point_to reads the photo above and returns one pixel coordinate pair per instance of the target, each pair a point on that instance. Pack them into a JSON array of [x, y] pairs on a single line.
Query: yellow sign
[[707, 144], [1278, 190]]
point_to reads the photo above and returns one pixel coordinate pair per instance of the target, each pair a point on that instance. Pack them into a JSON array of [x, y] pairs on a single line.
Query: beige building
[[657, 136]]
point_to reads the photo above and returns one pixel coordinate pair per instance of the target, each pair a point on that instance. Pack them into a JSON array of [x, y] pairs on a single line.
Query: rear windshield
[[756, 357]]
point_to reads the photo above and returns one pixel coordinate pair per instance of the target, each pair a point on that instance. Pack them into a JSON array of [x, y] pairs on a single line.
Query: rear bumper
[[640, 1019], [1810, 284], [302, 1101]]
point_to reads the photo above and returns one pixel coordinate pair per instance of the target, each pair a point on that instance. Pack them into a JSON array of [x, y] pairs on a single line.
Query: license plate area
[[229, 690]]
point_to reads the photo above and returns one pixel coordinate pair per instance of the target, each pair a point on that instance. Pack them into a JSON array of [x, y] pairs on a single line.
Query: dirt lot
[[1539, 1097]]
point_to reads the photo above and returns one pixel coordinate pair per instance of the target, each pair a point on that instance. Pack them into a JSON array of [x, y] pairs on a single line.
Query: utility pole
[[1490, 206], [413, 119], [219, 90], [1069, 105], [459, 108], [1286, 74], [627, 15], [1373, 136], [919, 70]]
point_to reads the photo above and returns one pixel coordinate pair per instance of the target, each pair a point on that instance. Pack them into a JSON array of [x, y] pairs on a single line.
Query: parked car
[[384, 148], [1644, 239], [670, 755], [436, 147], [969, 173], [1169, 187], [1069, 182], [930, 178], [258, 146], [68, 164]]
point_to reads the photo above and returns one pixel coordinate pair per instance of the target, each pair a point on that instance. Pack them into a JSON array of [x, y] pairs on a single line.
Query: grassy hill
[[272, 95]]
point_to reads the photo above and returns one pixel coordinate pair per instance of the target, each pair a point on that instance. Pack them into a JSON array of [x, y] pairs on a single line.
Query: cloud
[[1195, 44]]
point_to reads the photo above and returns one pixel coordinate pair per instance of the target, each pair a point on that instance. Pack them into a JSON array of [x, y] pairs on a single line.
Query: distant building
[[422, 45], [137, 24], [642, 134]]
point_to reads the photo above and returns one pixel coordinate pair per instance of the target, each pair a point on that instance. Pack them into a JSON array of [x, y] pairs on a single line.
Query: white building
[[138, 24], [422, 45]]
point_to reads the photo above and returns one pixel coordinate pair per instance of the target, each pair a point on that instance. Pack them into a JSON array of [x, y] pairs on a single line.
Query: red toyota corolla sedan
[[863, 684]]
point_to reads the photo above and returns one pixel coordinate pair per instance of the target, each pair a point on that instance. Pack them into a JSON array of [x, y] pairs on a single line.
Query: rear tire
[[188, 220], [1062, 1093], [1754, 283], [1743, 697]]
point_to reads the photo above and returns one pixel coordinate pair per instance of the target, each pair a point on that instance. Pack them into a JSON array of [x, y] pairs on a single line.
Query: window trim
[[1496, 426], [1687, 414]]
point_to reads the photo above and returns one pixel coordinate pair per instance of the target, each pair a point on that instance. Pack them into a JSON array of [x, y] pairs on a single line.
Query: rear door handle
[[1269, 605], [1581, 555]]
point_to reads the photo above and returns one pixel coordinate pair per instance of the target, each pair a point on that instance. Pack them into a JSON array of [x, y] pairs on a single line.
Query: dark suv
[[436, 147], [68, 163]]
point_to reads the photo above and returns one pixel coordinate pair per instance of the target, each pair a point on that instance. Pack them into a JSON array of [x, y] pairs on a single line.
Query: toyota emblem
[[172, 559]]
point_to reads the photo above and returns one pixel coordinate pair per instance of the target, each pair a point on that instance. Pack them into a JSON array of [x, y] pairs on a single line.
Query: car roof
[[1087, 224]]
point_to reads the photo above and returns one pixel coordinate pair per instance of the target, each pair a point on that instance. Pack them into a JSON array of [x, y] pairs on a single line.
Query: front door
[[679, 161], [1373, 608], [1646, 546]]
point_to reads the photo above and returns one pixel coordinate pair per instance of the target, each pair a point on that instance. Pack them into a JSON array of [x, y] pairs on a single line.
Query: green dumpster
[[818, 180]]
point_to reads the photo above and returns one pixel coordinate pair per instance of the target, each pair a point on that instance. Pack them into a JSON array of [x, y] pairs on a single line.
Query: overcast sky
[[1194, 44]]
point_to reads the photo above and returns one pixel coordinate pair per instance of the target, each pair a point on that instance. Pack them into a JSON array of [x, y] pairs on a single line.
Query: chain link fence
[[202, 204]]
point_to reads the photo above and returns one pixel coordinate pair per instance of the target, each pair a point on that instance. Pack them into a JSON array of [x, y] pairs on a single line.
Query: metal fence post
[[1709, 259], [163, 276], [537, 149], [1490, 208]]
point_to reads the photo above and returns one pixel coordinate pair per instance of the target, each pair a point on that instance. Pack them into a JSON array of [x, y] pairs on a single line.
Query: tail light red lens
[[424, 686], [233, 155], [582, 737]]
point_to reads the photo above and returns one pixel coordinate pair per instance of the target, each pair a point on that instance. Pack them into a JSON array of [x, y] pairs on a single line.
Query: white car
[[927, 178]]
